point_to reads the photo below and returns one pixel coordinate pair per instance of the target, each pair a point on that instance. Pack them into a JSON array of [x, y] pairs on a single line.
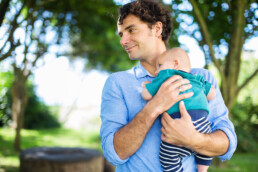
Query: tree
[[30, 28], [25, 26], [216, 25]]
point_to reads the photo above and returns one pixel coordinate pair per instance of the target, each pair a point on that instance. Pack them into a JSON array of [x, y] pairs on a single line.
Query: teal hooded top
[[200, 88]]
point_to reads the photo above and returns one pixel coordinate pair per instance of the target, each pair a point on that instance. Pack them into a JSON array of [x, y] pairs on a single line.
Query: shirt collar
[[141, 72]]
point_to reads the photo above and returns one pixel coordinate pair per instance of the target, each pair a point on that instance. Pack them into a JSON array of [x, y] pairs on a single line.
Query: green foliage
[[6, 79], [90, 28], [245, 119], [249, 64], [37, 114], [218, 16]]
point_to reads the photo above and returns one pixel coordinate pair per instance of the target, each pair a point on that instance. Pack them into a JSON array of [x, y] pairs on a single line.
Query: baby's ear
[[176, 64]]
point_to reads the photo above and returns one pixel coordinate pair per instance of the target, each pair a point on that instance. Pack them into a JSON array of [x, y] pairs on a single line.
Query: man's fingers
[[167, 118], [184, 96], [163, 131], [163, 138], [180, 83], [173, 79], [183, 111], [185, 87]]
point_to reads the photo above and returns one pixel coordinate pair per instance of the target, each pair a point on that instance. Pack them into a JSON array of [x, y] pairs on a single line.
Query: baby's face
[[164, 62]]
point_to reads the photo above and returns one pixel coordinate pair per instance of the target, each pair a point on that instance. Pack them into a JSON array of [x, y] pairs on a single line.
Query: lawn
[[9, 161]]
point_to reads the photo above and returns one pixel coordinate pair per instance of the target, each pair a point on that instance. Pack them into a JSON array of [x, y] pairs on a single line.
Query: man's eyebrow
[[128, 27]]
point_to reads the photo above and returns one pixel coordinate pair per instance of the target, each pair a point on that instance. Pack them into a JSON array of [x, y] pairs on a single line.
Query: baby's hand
[[145, 93], [144, 83]]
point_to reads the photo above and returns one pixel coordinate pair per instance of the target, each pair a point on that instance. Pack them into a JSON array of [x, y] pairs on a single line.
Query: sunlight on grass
[[9, 159]]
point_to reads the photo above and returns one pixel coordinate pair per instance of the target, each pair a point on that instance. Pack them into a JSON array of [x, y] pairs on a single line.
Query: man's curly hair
[[150, 12]]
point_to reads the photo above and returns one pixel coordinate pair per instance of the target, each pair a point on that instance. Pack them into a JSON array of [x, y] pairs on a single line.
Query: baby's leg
[[171, 156], [202, 168], [203, 126]]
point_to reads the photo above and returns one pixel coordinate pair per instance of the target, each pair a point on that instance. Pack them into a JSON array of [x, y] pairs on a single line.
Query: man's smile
[[128, 48]]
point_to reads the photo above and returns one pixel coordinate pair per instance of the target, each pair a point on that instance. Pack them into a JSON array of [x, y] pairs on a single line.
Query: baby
[[176, 62]]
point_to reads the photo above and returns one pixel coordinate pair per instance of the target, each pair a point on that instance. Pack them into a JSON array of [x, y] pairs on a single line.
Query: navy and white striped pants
[[171, 156]]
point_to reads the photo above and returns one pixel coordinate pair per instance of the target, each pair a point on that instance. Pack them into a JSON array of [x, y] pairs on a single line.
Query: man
[[132, 128]]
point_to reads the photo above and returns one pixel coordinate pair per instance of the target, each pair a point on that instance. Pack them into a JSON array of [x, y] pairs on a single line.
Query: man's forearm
[[128, 139], [214, 144]]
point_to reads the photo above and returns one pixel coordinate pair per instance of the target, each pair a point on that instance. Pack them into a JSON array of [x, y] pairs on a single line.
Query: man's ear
[[158, 28]]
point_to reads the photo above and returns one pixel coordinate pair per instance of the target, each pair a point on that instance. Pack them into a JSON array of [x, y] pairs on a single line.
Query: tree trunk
[[233, 60], [20, 99]]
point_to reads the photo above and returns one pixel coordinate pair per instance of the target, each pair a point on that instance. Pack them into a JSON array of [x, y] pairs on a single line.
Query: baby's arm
[[212, 94], [145, 93]]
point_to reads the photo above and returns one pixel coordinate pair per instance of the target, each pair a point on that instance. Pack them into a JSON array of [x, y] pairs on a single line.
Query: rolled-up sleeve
[[219, 118], [113, 117]]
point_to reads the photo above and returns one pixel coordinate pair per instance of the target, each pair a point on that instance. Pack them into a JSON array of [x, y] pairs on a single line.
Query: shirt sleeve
[[219, 118], [113, 117]]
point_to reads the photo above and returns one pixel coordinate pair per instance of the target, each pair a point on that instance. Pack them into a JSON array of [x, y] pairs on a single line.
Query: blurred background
[[56, 55]]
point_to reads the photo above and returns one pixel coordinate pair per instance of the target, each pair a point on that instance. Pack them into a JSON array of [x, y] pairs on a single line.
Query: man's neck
[[150, 63], [150, 67]]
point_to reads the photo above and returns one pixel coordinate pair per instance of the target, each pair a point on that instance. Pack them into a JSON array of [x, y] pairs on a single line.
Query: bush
[[6, 79], [245, 119], [37, 114]]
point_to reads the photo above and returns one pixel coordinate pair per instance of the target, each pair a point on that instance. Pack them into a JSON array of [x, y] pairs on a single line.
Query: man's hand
[[181, 132], [178, 132], [168, 93]]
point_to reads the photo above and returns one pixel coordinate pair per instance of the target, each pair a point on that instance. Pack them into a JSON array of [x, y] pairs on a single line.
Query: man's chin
[[133, 57]]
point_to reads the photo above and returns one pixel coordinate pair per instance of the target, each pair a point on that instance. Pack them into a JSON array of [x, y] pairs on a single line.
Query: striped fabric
[[171, 156]]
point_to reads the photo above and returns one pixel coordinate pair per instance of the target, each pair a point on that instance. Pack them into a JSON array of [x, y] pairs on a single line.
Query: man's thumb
[[182, 109]]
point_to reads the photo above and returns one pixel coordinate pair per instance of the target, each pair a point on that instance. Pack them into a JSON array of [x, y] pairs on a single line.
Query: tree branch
[[205, 34], [13, 27], [229, 4], [247, 81], [3, 9]]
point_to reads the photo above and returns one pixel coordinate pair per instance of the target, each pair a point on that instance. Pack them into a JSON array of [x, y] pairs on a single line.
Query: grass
[[9, 159], [239, 163]]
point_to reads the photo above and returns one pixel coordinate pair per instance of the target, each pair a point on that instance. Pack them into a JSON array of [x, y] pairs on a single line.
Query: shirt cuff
[[232, 143], [110, 153]]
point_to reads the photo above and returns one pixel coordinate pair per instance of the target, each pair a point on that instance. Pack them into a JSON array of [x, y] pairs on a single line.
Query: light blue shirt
[[122, 100]]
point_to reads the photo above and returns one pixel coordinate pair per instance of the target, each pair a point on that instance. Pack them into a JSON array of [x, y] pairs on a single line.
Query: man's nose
[[124, 39]]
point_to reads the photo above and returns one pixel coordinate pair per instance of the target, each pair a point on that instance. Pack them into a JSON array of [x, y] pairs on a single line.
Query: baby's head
[[175, 58]]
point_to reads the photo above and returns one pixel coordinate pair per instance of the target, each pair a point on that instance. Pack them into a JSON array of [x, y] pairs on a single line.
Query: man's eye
[[131, 30]]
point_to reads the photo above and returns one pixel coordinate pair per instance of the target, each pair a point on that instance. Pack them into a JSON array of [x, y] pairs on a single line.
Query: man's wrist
[[151, 110], [196, 142]]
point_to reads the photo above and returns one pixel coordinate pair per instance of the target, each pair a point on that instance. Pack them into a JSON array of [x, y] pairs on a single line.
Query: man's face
[[137, 38]]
